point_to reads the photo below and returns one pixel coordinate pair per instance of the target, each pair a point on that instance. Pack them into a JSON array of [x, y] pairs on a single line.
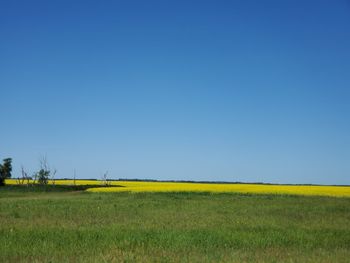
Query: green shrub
[[5, 170]]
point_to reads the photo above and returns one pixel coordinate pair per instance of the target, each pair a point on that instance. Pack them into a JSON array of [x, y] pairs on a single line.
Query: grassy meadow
[[68, 224]]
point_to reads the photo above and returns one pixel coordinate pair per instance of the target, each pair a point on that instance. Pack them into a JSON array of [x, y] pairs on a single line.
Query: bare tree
[[35, 178], [105, 179], [53, 173], [24, 177]]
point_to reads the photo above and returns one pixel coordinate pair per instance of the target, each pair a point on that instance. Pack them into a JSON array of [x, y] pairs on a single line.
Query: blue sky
[[253, 91]]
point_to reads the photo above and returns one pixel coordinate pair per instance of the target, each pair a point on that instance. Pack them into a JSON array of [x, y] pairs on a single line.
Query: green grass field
[[65, 224]]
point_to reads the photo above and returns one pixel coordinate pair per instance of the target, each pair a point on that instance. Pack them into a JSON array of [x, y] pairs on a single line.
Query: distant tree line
[[42, 176]]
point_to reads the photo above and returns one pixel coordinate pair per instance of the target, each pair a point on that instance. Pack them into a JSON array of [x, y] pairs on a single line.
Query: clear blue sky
[[178, 90]]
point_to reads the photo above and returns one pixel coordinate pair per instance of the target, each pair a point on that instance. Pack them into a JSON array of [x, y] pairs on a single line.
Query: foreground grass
[[69, 225]]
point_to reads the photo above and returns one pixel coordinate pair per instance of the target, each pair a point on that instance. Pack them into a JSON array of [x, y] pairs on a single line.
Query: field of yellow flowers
[[142, 186]]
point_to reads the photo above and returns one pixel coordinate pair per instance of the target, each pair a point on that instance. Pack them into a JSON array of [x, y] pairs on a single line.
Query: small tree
[[5, 170], [44, 174]]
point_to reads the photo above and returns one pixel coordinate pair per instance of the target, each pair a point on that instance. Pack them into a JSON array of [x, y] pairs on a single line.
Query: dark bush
[[5, 170]]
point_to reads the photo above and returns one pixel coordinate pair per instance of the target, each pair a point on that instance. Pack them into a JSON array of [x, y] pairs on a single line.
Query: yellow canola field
[[226, 188], [138, 186]]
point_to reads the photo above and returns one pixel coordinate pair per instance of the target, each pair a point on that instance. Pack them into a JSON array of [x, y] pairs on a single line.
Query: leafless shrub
[[25, 178], [105, 181]]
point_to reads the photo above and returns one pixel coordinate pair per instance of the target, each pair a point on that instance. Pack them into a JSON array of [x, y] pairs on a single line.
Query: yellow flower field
[[136, 186]]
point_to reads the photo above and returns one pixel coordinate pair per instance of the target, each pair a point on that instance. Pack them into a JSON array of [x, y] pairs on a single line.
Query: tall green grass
[[73, 226]]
